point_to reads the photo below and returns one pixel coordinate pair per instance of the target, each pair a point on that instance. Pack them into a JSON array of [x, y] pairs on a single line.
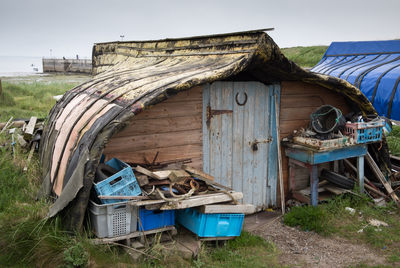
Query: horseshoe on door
[[237, 99]]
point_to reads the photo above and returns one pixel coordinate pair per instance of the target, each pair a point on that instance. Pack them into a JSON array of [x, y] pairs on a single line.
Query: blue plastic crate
[[154, 219], [122, 183], [210, 225]]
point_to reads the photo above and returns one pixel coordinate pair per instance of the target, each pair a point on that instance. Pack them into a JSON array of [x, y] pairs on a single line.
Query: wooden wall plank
[[142, 142], [171, 109], [160, 125], [172, 128], [164, 154], [298, 101]]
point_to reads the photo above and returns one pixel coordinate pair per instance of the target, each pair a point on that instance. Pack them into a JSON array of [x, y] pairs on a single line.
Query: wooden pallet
[[127, 238]]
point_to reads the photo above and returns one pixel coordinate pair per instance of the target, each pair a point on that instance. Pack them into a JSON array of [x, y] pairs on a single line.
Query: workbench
[[310, 158]]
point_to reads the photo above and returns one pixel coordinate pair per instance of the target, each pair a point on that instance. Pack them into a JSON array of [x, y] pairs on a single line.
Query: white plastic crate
[[112, 220]]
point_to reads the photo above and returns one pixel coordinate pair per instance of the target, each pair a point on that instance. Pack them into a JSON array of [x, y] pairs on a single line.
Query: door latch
[[254, 144]]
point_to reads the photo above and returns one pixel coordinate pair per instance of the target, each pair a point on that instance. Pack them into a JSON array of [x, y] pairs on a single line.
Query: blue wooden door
[[239, 140]]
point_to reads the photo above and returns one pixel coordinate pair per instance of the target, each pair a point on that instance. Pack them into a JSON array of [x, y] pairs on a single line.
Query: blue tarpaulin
[[372, 66]]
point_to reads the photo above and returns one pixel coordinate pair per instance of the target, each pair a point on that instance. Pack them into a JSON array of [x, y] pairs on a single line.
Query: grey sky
[[70, 27]]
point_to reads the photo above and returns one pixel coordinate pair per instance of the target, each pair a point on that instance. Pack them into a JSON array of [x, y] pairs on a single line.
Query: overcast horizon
[[67, 28]]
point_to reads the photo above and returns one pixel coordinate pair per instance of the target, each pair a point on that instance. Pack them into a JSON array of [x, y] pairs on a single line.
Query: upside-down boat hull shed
[[150, 100]]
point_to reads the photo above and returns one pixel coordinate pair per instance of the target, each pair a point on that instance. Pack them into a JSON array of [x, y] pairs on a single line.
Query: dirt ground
[[308, 249]]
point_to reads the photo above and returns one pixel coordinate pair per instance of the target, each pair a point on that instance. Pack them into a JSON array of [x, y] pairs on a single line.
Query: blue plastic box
[[154, 219], [122, 183], [365, 132], [210, 225]]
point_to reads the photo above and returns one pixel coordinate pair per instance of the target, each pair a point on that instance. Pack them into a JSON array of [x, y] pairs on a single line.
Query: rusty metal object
[[211, 112]]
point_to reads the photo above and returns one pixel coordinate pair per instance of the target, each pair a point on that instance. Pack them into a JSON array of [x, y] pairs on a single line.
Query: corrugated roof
[[132, 76], [372, 66]]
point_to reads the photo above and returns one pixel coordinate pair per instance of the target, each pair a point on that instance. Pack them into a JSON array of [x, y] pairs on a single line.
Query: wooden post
[[1, 89], [314, 185], [381, 177], [360, 173], [278, 144]]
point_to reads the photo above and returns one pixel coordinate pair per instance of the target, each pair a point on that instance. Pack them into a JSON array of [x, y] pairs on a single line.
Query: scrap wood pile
[[154, 201], [26, 133], [328, 130]]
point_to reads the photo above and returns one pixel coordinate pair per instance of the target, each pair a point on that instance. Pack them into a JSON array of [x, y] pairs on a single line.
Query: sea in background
[[20, 66]]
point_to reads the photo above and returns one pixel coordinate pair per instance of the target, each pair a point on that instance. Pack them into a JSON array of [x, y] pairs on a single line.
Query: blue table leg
[[360, 173], [314, 185]]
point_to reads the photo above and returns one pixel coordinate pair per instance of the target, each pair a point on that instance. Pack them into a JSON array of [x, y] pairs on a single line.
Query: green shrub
[[308, 218], [394, 141], [76, 256]]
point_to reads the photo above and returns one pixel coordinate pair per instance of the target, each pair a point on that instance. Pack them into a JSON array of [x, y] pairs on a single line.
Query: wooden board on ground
[[163, 174], [30, 128], [203, 200], [193, 201], [205, 177], [378, 173], [131, 235], [147, 172], [223, 208], [178, 175], [30, 156]]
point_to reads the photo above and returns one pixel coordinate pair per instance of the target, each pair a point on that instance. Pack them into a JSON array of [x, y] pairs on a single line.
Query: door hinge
[[211, 113]]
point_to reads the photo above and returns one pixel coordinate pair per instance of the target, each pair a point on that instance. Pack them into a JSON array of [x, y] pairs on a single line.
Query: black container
[[327, 119]]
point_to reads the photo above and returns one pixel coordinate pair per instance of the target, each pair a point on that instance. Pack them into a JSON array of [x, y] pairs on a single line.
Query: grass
[[246, 251], [23, 100], [394, 141], [305, 56], [332, 218], [27, 239]]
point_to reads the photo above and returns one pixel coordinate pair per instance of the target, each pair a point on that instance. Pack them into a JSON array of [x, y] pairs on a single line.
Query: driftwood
[[205, 177], [147, 172], [6, 125], [278, 144], [381, 177], [30, 128]]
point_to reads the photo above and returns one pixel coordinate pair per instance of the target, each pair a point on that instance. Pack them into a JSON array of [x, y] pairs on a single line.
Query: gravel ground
[[308, 249]]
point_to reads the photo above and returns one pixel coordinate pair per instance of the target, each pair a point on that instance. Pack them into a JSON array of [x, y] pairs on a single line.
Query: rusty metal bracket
[[211, 113]]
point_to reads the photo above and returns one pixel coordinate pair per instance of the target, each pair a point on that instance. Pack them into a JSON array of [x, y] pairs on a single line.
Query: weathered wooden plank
[[167, 109], [150, 141], [161, 125], [382, 179], [281, 187], [147, 172], [295, 101], [287, 126], [205, 177], [299, 113], [177, 175], [194, 94], [146, 156], [224, 208], [16, 124], [7, 124], [163, 174], [203, 200], [98, 241], [30, 156]]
